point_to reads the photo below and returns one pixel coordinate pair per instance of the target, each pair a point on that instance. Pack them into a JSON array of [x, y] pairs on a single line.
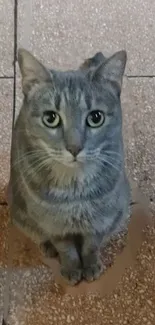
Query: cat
[[69, 188]]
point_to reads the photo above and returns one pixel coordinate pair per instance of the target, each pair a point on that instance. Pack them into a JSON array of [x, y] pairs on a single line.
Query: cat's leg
[[92, 264], [69, 260], [32, 230]]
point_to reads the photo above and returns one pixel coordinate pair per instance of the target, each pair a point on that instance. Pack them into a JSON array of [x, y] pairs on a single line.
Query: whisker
[[35, 153], [113, 153], [98, 151], [27, 172], [35, 165], [28, 154], [104, 160], [112, 159]]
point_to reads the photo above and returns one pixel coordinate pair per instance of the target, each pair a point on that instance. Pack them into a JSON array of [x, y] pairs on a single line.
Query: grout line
[[15, 58], [128, 76], [139, 76], [6, 77]]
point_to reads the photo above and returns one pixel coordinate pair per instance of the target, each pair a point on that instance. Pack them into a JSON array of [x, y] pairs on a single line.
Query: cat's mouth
[[73, 163]]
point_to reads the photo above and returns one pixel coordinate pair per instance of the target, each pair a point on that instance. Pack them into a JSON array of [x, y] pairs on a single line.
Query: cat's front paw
[[72, 276], [93, 271]]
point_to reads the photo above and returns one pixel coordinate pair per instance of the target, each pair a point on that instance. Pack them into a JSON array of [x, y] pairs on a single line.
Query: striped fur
[[74, 206]]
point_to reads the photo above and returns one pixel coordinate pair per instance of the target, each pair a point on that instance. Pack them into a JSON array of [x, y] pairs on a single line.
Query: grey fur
[[68, 207]]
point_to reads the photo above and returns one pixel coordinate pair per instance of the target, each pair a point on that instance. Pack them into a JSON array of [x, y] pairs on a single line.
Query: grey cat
[[69, 188]]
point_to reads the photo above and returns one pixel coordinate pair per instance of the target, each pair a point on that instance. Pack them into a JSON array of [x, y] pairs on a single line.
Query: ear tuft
[[93, 62]]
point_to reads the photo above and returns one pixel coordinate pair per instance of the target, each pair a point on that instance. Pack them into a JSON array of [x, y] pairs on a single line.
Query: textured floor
[[62, 34]]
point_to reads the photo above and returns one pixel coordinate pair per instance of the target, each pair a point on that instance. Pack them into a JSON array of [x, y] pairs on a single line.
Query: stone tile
[[3, 252], [6, 37], [36, 299], [64, 33], [4, 236], [138, 100], [6, 105]]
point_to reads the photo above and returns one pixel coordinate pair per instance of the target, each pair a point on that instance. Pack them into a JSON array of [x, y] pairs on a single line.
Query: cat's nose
[[74, 149]]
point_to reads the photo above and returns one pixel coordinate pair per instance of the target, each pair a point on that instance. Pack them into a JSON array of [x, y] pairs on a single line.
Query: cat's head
[[74, 116]]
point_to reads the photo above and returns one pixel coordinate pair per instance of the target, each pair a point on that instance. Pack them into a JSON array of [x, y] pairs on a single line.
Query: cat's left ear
[[112, 69], [32, 71]]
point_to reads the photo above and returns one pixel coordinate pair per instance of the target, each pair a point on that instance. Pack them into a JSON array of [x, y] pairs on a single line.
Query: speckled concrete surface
[[6, 37], [3, 252], [36, 299], [6, 100], [138, 100], [63, 33]]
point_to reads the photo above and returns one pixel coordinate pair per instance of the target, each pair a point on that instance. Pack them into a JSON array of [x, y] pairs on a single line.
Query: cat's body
[[68, 181]]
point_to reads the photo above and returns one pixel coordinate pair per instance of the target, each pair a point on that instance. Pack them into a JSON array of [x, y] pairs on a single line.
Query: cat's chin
[[72, 168], [67, 172]]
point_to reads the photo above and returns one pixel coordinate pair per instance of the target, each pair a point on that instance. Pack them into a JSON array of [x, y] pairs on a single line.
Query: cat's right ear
[[112, 70], [32, 71]]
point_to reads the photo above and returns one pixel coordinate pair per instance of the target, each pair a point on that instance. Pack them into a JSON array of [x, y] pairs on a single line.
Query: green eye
[[95, 119], [51, 119]]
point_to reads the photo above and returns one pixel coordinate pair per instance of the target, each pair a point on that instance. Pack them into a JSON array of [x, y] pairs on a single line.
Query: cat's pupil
[[51, 116], [96, 117]]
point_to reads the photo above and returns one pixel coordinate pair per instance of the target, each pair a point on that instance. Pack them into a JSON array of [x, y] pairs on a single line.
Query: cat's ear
[[112, 69], [32, 71], [93, 62]]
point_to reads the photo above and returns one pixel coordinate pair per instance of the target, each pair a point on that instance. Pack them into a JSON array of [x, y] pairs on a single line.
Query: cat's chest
[[69, 210], [70, 204], [65, 213], [65, 217], [78, 193]]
